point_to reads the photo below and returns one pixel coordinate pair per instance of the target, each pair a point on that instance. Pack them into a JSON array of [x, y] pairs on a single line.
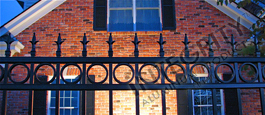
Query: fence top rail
[[128, 86], [131, 59]]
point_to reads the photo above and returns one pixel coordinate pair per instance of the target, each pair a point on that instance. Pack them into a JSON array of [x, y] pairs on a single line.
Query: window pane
[[75, 111], [67, 102], [62, 93], [203, 110], [207, 110], [61, 102], [61, 112], [52, 112], [197, 110], [52, 102], [75, 93], [147, 20], [74, 102], [120, 3], [68, 112], [121, 20], [147, 3], [218, 110], [197, 100], [52, 93], [67, 93]]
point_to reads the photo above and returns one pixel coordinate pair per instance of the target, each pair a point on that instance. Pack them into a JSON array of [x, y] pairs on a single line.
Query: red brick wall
[[74, 18]]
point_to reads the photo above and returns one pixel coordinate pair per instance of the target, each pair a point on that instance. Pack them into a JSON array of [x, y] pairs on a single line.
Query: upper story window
[[134, 15]]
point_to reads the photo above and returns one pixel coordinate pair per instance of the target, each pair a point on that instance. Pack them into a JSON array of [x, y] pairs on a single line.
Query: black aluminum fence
[[186, 63]]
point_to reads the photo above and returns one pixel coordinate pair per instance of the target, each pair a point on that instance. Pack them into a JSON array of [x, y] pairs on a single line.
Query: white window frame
[[49, 97], [134, 14], [221, 96]]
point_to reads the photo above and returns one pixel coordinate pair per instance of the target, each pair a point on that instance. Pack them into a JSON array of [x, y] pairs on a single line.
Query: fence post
[[83, 80], [233, 43], [31, 92], [161, 42], [58, 54], [261, 90], [136, 54], [110, 53], [8, 42]]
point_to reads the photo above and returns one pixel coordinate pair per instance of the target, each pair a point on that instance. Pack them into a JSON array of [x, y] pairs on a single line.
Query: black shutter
[[182, 100], [168, 13], [40, 98], [231, 101], [90, 98], [100, 15]]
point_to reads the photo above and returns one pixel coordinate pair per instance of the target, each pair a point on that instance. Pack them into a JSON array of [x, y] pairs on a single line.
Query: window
[[202, 100], [134, 15], [69, 101]]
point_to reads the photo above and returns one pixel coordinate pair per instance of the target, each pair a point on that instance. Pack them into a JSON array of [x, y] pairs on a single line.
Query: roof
[[29, 16], [240, 15], [43, 7]]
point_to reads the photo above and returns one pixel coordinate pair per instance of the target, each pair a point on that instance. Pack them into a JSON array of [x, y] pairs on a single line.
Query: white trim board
[[30, 16], [15, 47], [231, 10]]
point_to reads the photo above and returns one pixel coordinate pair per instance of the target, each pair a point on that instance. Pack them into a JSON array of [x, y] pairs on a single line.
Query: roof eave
[[30, 16], [238, 14]]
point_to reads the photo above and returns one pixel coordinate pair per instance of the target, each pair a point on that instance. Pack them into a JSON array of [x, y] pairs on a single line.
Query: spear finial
[[110, 42], [84, 42], [33, 43], [161, 42], [59, 42], [210, 43], [186, 42], [136, 42], [8, 42]]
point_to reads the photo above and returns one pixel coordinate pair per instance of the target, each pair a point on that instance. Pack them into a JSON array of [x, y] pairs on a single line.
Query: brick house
[[124, 18]]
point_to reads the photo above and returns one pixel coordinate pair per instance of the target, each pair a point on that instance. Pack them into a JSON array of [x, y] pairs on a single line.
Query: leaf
[[258, 23], [250, 73], [245, 67], [253, 26]]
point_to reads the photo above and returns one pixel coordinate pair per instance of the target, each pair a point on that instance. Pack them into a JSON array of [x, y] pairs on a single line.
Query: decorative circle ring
[[219, 78], [178, 81], [2, 73], [194, 77], [114, 75], [12, 67], [240, 73], [102, 65], [157, 68], [38, 67], [78, 77]]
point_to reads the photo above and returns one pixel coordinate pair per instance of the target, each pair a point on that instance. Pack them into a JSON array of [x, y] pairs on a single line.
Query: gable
[[43, 7]]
